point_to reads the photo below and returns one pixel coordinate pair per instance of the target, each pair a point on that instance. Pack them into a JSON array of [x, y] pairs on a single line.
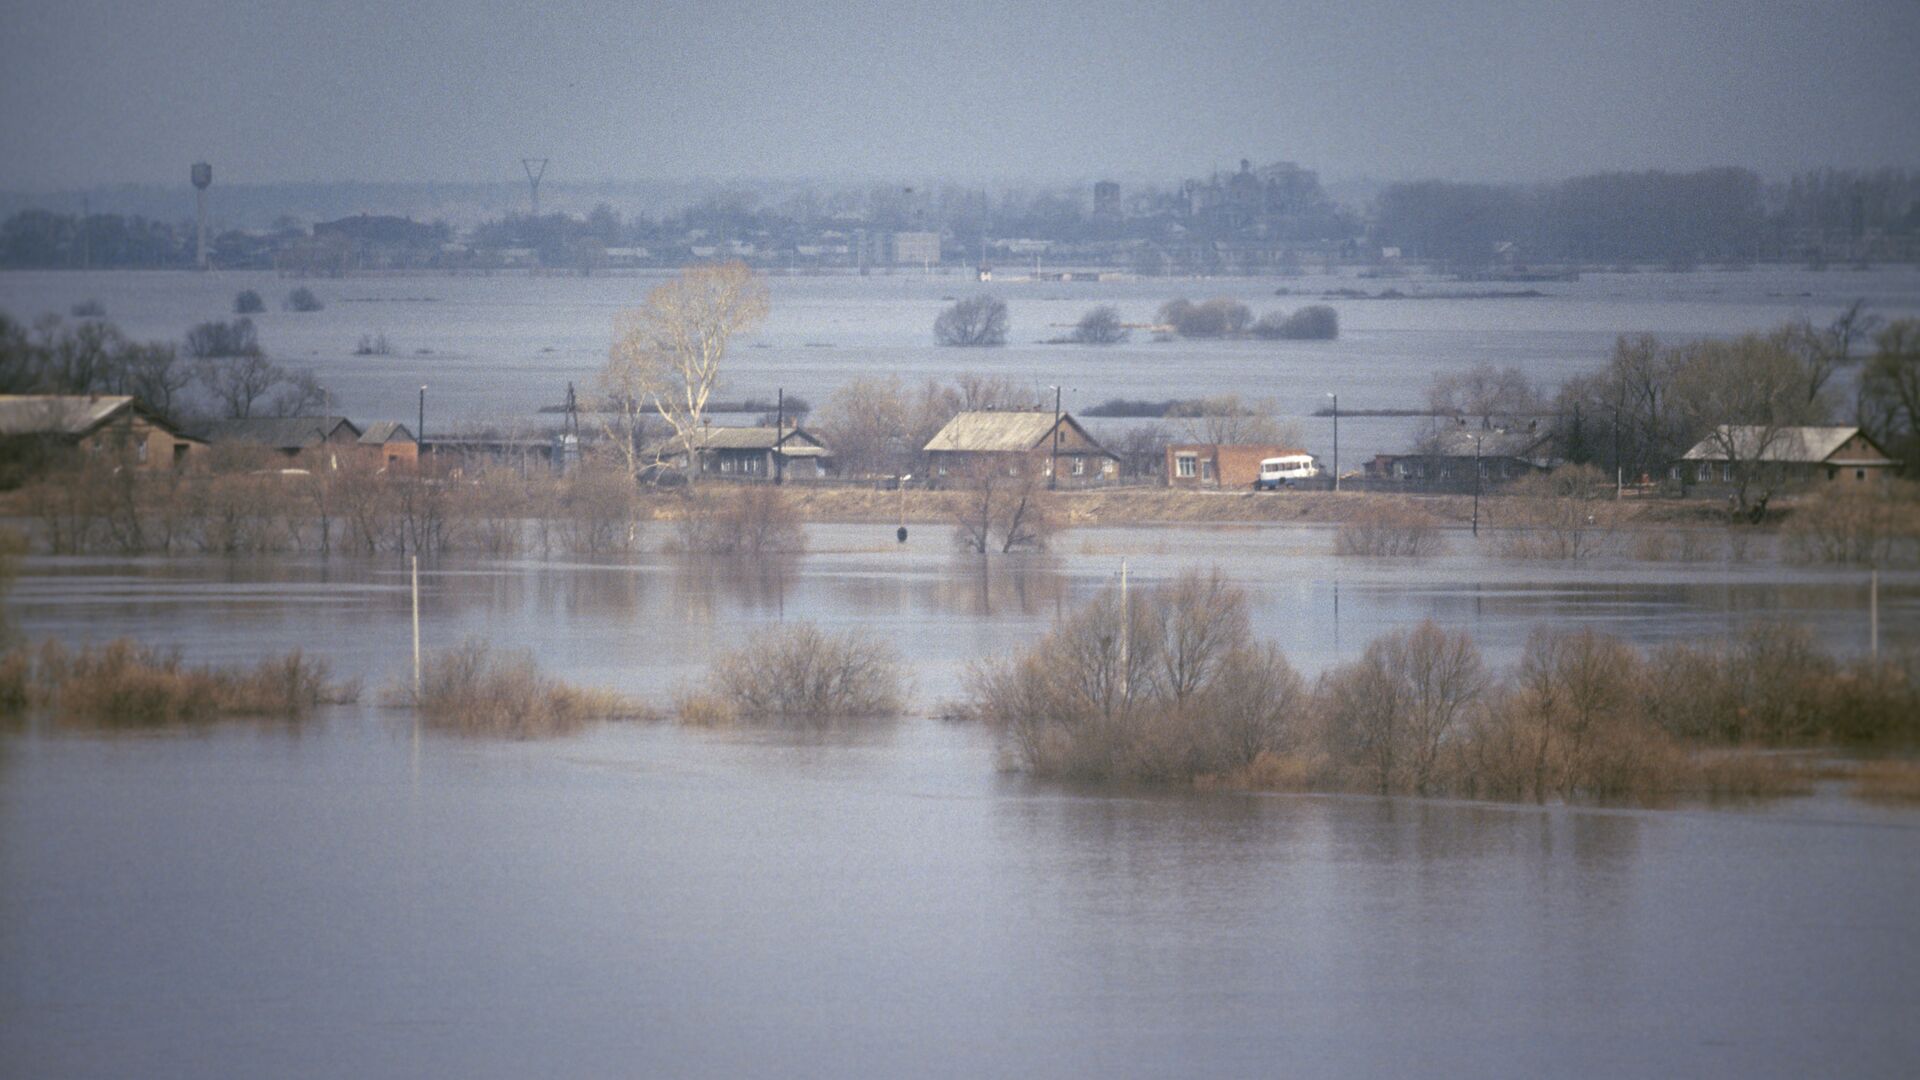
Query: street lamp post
[[420, 436], [1336, 440]]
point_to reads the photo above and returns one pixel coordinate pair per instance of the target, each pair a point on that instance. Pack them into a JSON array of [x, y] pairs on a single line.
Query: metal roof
[[386, 431], [798, 442], [994, 432], [279, 432], [57, 414], [1798, 445]]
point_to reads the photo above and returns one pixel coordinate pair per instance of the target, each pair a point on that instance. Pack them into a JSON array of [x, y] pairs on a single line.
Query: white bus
[[1279, 472]]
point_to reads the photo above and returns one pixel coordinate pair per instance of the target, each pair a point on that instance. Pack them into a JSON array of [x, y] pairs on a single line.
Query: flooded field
[[351, 895], [498, 348]]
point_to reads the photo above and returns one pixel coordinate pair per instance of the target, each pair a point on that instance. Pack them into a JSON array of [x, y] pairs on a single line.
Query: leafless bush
[[798, 673], [1390, 530], [597, 512], [752, 519], [472, 690], [1865, 528], [1170, 687], [993, 510], [1391, 714], [123, 684], [1558, 515], [1889, 781]]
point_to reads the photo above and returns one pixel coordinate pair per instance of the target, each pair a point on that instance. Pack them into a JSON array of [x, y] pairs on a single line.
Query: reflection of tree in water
[[992, 585], [756, 583]]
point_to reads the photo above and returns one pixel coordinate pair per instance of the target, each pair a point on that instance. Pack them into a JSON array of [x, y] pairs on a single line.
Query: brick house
[[314, 441], [1220, 465], [390, 445], [32, 424]]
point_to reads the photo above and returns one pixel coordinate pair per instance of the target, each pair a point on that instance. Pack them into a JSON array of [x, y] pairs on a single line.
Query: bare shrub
[[799, 673], [1315, 322], [1862, 528], [1888, 781], [1100, 326], [1216, 318], [753, 519], [472, 690], [993, 510], [975, 321], [597, 512], [1558, 515], [1772, 684], [248, 302], [1390, 531], [124, 684], [1392, 713], [1170, 688], [303, 300]]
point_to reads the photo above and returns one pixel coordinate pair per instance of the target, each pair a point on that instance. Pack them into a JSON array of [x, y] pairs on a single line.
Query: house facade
[[1220, 465], [1020, 443], [753, 453], [1459, 458], [118, 425], [1838, 456], [390, 445], [310, 441]]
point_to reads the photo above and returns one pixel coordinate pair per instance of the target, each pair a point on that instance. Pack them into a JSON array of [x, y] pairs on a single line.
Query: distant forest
[[1256, 220]]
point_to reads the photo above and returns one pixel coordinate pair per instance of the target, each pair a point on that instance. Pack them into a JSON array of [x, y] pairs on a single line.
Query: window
[[1206, 469], [1704, 473], [1106, 467], [1726, 472], [1859, 474], [1079, 466], [1183, 466]]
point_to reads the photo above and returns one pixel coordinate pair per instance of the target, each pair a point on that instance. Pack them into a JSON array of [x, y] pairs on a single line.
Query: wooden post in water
[[416, 631], [1126, 632], [1873, 613]]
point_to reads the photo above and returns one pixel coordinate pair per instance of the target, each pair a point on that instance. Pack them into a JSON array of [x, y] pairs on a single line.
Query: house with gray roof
[[1021, 442], [289, 436], [1839, 455], [34, 425], [1460, 456], [751, 453]]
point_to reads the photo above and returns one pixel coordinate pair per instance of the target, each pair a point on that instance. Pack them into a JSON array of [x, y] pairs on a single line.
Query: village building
[[313, 441], [1462, 457], [31, 425], [1839, 455], [391, 445], [752, 453], [1221, 465], [1022, 443]]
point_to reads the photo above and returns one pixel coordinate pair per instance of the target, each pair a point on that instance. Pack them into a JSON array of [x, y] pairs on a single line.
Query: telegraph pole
[[1053, 467], [779, 437]]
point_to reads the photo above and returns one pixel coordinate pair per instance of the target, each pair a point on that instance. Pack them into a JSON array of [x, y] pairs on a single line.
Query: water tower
[[202, 179]]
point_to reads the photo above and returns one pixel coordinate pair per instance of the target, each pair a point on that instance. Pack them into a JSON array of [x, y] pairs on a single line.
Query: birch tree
[[667, 354]]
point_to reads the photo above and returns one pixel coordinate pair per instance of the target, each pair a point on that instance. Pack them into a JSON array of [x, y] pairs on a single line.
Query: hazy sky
[[102, 91]]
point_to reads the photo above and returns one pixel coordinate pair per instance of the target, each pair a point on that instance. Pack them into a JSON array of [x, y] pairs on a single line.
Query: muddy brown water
[[349, 896]]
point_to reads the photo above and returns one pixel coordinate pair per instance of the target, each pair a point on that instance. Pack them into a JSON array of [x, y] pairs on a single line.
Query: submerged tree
[[978, 320]]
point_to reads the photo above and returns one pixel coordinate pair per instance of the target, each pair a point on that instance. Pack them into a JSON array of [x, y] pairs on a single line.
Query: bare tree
[[1100, 326], [994, 506], [1890, 389], [1228, 420], [867, 422], [667, 353], [1740, 396], [238, 383], [1494, 396], [977, 320], [1393, 710]]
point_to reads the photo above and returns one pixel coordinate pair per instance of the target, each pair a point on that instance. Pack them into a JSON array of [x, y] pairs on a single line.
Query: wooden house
[[752, 453], [312, 441], [31, 425], [391, 445], [1838, 456], [1023, 443]]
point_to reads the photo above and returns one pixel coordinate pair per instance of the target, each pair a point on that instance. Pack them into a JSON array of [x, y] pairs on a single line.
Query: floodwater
[[350, 896], [497, 348]]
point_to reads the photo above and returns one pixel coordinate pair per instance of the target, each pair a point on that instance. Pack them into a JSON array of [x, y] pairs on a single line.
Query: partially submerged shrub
[[248, 302], [977, 320], [797, 672], [1219, 317], [1392, 713], [1558, 515], [751, 519], [1865, 528], [1390, 530], [1316, 322], [473, 690], [302, 299], [125, 684], [88, 309], [1100, 326], [1168, 687]]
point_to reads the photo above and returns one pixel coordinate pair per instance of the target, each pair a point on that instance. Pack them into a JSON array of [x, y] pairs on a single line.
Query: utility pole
[[1126, 627], [779, 437], [1336, 440], [416, 631], [420, 436], [1476, 485], [1053, 467]]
